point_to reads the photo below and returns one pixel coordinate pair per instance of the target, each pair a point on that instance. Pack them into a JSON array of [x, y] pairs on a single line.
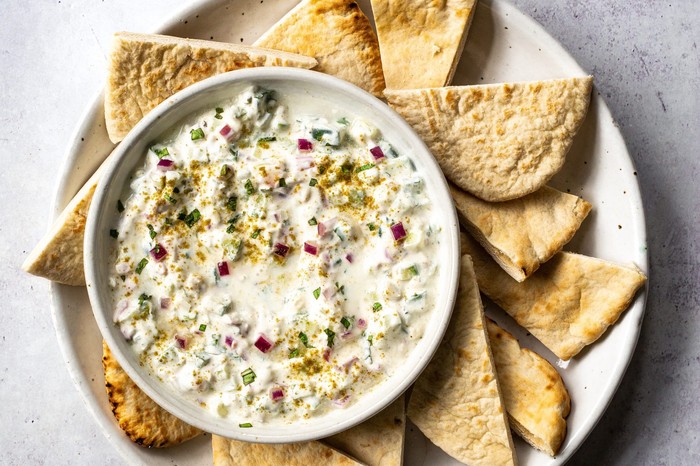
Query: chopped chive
[[322, 169], [255, 234], [168, 198], [345, 322], [343, 121], [313, 221], [248, 376], [331, 336], [317, 292], [282, 183], [168, 222], [120, 206], [232, 203], [294, 353], [245, 425], [313, 182], [413, 270], [151, 231], [191, 218], [267, 139], [197, 133], [371, 226], [304, 339], [114, 233], [364, 167], [377, 307], [346, 168], [317, 134], [219, 110], [144, 299], [225, 171], [340, 288], [370, 339], [142, 264], [233, 152], [249, 187], [202, 327], [160, 152]]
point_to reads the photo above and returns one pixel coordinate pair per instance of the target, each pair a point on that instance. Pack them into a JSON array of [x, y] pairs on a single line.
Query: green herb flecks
[[346, 322], [282, 183], [313, 182], [256, 233], [191, 218], [232, 203], [294, 353], [249, 189], [197, 133], [376, 307], [120, 206], [141, 265], [162, 152], [313, 221], [202, 327], [364, 167], [318, 133], [219, 112], [304, 339], [114, 234], [245, 425], [331, 336], [248, 376], [317, 292], [151, 231]]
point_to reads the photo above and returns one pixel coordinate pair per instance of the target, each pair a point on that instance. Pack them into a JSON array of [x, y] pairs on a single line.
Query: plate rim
[[62, 195]]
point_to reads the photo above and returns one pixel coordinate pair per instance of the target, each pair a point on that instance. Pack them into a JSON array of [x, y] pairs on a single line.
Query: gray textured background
[[645, 57]]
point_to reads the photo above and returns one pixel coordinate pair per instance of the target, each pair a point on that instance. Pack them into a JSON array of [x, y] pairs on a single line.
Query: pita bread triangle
[[59, 254], [379, 440], [236, 453], [498, 141], [141, 419], [456, 402], [567, 304], [146, 69], [533, 392], [421, 41], [522, 233], [337, 34]]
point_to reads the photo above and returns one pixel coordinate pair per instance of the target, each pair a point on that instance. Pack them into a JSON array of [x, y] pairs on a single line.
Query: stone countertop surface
[[644, 55]]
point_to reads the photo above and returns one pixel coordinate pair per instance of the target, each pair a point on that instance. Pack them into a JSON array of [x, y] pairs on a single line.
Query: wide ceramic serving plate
[[503, 45]]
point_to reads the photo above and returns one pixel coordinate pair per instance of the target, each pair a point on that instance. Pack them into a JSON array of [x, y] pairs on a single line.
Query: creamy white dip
[[271, 264]]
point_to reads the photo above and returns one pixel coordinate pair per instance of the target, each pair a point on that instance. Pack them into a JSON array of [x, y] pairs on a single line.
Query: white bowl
[[299, 85]]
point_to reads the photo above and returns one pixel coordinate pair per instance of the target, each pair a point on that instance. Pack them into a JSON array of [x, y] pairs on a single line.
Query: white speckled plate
[[503, 45]]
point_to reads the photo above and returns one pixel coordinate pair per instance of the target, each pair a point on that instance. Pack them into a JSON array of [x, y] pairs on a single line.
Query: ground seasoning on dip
[[273, 265]]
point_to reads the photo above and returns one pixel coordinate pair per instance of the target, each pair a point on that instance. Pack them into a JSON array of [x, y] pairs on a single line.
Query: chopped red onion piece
[[329, 292], [325, 227], [348, 257], [398, 231], [346, 335], [341, 402], [349, 363], [225, 131], [311, 249], [165, 165], [229, 341], [280, 249], [277, 393], [223, 268], [304, 145], [181, 341], [263, 344], [361, 324], [164, 303], [158, 252], [377, 152], [327, 354]]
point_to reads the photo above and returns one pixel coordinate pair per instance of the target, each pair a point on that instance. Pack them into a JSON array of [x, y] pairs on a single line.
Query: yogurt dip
[[273, 264]]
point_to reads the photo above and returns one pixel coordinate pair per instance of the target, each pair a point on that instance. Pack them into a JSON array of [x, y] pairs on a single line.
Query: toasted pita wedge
[[146, 69], [143, 421], [456, 402], [379, 440], [235, 453], [421, 40], [59, 254], [534, 394], [337, 34], [567, 304], [498, 141], [523, 233]]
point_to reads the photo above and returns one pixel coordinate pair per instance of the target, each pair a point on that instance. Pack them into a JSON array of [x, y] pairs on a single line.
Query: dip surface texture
[[273, 264]]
